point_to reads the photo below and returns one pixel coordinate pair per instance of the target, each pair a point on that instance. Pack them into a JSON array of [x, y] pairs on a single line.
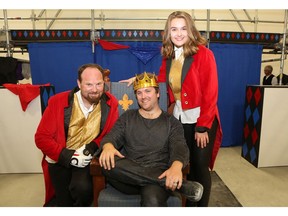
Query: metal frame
[[94, 34]]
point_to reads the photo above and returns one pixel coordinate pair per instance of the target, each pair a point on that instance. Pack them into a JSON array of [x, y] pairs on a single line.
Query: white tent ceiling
[[239, 20], [229, 20]]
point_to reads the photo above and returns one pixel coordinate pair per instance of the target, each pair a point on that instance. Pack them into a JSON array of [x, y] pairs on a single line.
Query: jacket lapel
[[187, 64]]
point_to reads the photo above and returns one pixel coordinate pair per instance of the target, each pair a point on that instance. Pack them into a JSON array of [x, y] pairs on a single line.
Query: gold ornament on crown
[[147, 80]]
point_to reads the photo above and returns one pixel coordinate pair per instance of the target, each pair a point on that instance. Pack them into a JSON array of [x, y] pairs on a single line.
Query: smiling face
[[178, 32], [147, 98], [91, 86]]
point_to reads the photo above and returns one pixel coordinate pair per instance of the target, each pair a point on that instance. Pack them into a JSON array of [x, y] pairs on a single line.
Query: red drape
[[26, 92]]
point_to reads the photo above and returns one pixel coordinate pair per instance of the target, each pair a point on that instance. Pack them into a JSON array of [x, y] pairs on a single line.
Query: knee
[[153, 196], [82, 193], [152, 201], [81, 188]]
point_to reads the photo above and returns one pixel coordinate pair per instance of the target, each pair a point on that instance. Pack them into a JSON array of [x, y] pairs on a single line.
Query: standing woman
[[190, 71]]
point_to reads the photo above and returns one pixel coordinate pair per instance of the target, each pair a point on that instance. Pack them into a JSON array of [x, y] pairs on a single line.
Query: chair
[[107, 196]]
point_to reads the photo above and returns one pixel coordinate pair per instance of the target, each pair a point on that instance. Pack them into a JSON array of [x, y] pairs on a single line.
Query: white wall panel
[[18, 152]]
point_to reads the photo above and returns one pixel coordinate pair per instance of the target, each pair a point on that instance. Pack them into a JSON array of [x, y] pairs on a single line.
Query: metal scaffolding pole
[[208, 28], [7, 33], [139, 19], [283, 53], [92, 30]]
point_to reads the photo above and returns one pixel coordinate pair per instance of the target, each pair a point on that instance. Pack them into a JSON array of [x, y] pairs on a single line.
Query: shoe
[[191, 190]]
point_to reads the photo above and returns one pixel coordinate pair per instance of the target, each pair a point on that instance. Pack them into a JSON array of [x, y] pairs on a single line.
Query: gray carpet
[[221, 196]]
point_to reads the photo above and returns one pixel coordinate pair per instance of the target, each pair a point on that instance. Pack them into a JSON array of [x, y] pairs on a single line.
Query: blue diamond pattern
[[157, 33], [256, 116], [244, 149], [45, 97], [102, 34], [253, 155], [276, 38], [228, 35], [248, 112], [238, 36], [46, 94]]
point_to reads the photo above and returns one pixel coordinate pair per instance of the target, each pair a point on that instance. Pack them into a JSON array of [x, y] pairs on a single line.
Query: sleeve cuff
[[201, 129]]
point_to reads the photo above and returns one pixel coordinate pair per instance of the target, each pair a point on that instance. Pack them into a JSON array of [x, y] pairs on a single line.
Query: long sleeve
[[177, 144]]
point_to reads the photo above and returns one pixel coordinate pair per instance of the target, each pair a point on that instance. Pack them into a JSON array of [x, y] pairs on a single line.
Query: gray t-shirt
[[149, 142]]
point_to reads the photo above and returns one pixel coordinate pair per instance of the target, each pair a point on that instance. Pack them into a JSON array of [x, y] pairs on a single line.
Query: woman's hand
[[128, 81], [202, 139]]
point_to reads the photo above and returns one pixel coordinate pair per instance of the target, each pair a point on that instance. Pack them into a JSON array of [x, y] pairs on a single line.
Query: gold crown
[[145, 80]]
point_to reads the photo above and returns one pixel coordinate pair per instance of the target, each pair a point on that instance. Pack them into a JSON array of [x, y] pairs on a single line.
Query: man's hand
[[174, 176], [106, 158], [81, 157]]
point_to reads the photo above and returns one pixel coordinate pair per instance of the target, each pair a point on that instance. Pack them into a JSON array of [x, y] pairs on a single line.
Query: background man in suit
[[269, 78]]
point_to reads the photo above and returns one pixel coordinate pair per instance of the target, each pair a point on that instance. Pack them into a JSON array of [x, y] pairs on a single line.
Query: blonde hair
[[195, 37]]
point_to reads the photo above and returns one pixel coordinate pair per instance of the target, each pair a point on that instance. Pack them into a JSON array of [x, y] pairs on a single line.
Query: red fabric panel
[[111, 46], [26, 92]]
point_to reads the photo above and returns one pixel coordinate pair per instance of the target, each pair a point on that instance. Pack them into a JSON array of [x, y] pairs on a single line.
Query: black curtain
[[8, 70]]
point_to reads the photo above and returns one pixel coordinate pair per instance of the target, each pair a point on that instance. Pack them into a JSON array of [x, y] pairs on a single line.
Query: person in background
[[269, 78], [190, 72], [284, 79], [145, 151], [69, 133]]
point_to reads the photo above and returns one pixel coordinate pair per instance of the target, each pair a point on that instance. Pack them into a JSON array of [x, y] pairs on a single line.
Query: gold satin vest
[[175, 76], [81, 130]]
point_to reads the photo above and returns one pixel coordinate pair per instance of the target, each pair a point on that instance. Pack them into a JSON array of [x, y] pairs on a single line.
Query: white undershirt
[[189, 116], [178, 52], [82, 106]]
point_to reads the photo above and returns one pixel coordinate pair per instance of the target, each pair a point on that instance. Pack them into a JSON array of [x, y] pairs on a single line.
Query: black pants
[[130, 178], [73, 186], [199, 161]]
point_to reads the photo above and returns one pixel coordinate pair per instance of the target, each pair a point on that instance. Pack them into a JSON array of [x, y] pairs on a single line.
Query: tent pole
[[283, 53]]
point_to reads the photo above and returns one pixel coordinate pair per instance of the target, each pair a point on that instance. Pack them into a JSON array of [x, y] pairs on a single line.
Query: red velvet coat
[[50, 136], [199, 89]]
